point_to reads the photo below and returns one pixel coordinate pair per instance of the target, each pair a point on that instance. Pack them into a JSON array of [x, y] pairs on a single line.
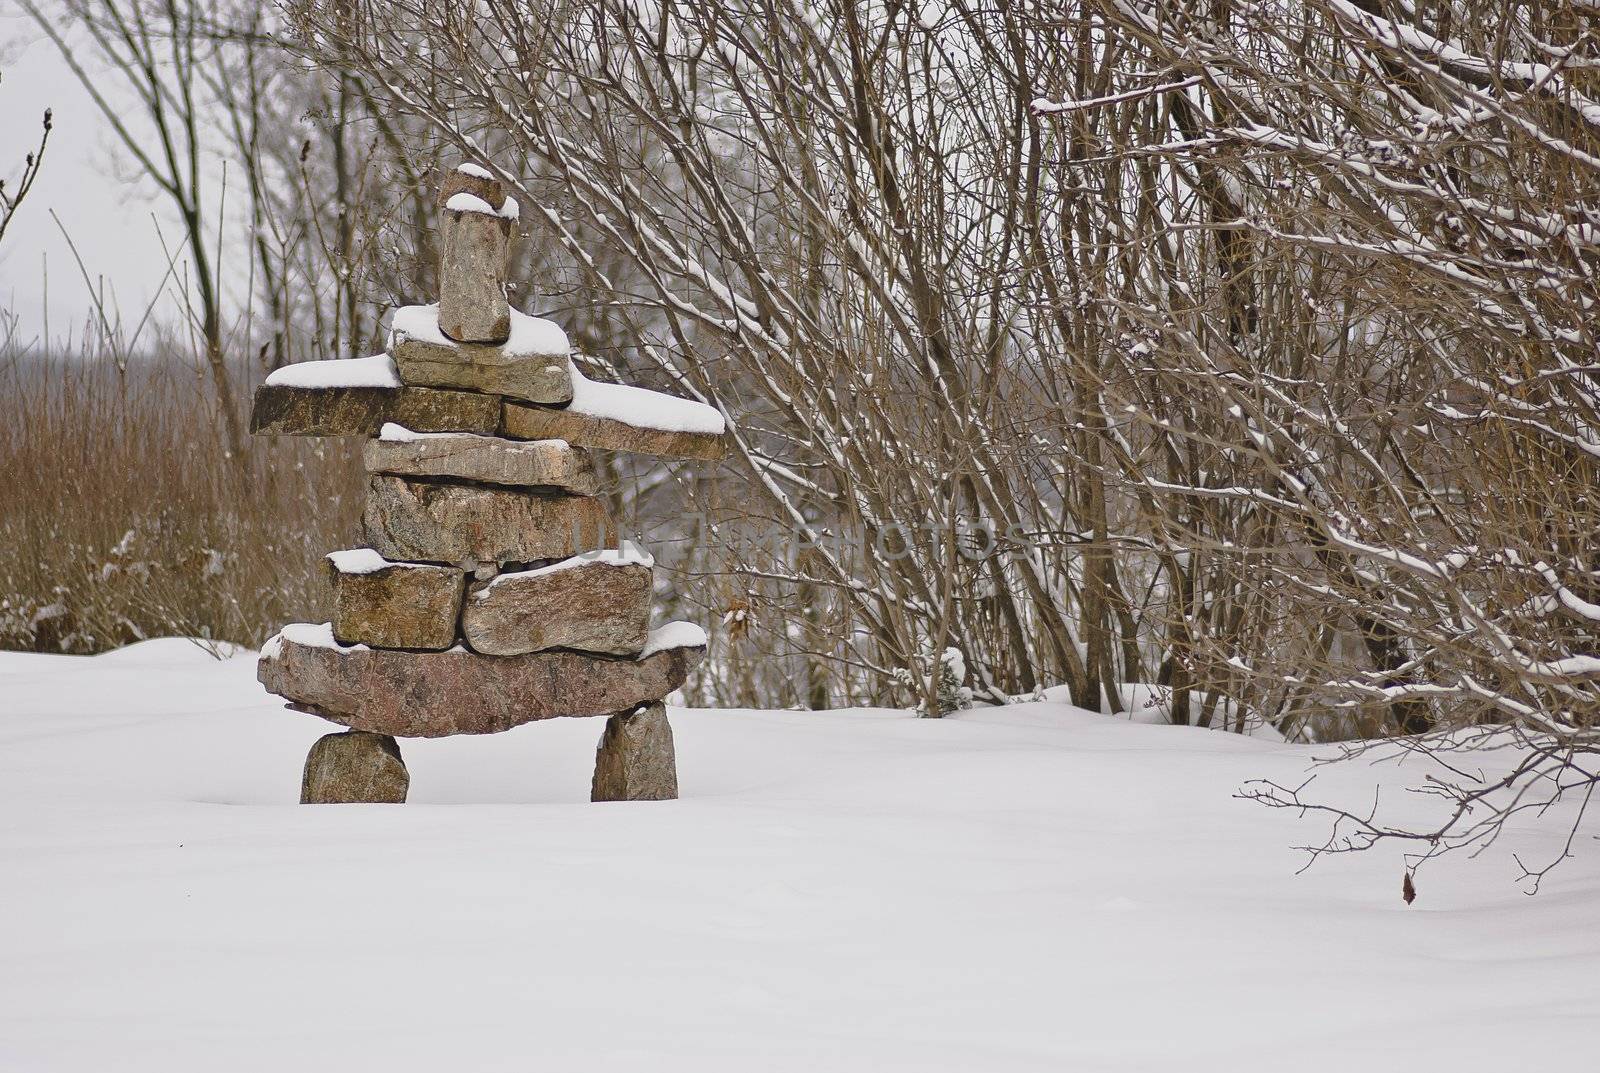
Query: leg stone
[[354, 767], [635, 760]]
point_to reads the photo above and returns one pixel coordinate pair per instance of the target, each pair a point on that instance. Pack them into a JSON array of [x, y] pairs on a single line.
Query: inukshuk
[[492, 590]]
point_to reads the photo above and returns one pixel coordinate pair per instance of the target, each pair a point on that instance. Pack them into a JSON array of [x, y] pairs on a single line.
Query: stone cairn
[[492, 590]]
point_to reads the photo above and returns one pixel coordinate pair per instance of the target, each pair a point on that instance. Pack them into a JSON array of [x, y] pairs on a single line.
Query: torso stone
[[594, 607]]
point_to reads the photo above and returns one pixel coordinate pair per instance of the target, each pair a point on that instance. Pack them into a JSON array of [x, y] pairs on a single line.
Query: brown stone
[[607, 433], [475, 247], [597, 603], [354, 767], [433, 694], [518, 463], [394, 605], [635, 760], [427, 521], [362, 411]]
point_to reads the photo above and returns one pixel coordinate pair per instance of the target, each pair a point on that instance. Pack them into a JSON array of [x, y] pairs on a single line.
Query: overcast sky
[[89, 184]]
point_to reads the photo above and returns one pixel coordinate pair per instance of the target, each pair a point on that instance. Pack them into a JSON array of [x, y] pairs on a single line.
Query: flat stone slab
[[487, 459], [354, 768], [618, 417], [635, 760], [357, 396], [532, 364], [459, 524], [597, 602], [434, 694], [394, 605]]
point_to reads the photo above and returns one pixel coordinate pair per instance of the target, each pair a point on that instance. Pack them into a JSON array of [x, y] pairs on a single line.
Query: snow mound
[[376, 371], [359, 561], [465, 202], [673, 635], [642, 408]]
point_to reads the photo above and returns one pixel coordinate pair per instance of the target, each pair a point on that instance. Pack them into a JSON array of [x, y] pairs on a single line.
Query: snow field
[[1028, 888]]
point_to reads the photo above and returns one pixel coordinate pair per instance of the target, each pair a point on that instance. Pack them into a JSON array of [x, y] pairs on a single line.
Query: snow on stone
[[469, 202], [465, 202], [474, 170], [359, 561], [530, 336], [535, 335], [315, 635], [393, 433], [630, 554], [642, 408], [673, 635], [376, 371]]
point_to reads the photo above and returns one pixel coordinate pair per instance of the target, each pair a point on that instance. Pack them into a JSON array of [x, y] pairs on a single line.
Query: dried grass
[[124, 516]]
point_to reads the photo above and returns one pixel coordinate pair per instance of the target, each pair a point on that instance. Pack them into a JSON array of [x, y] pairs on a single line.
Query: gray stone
[[517, 463], [499, 370], [433, 694], [595, 604], [426, 521], [607, 433], [635, 760], [354, 767], [475, 249], [394, 605], [362, 411]]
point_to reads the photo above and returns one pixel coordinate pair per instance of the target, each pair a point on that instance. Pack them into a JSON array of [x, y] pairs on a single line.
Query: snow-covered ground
[[1030, 888]]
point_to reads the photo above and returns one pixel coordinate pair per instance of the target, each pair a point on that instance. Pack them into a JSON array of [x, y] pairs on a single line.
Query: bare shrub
[[11, 196], [1356, 250]]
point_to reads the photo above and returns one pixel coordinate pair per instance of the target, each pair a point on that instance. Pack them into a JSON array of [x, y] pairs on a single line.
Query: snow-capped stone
[[354, 767], [434, 694], [518, 463], [672, 635], [635, 760], [357, 561], [591, 603], [425, 521], [375, 371], [643, 408], [531, 337], [475, 249], [314, 403], [530, 364], [619, 417], [394, 605]]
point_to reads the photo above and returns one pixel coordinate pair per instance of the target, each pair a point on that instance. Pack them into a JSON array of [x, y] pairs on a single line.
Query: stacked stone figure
[[492, 590]]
